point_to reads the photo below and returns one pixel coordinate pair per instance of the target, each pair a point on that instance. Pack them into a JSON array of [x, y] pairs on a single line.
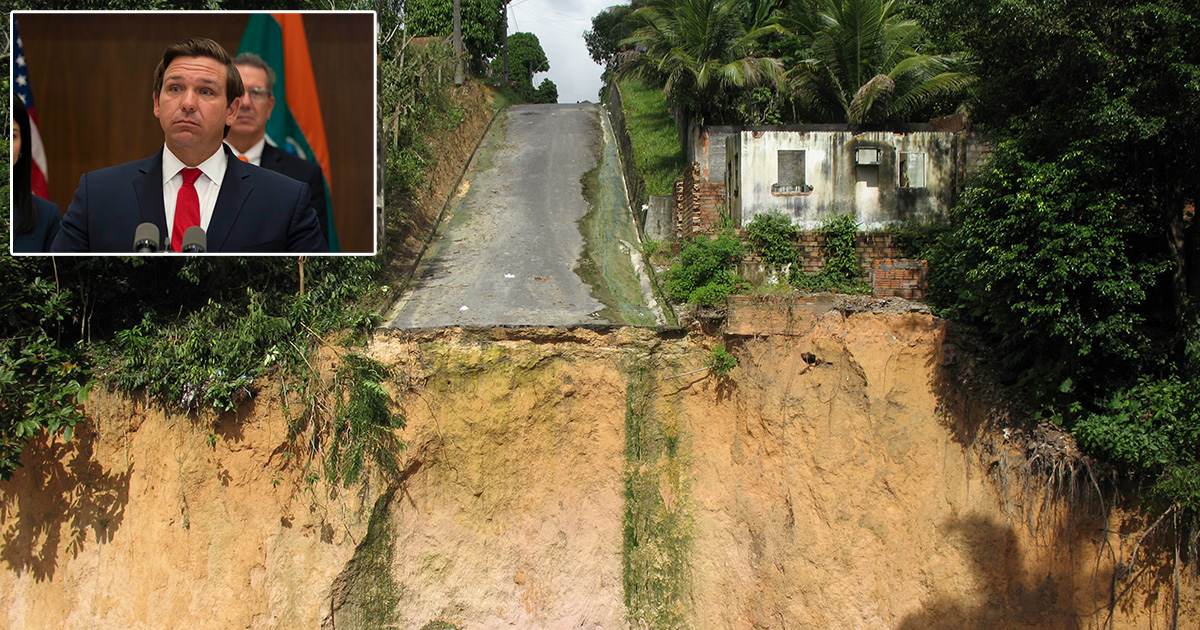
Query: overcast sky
[[559, 26]]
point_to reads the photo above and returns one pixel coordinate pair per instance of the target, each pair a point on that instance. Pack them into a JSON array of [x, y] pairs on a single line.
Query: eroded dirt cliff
[[837, 478]]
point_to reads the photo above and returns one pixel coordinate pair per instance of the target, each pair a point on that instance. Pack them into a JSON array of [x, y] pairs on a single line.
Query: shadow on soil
[[1052, 562], [59, 492]]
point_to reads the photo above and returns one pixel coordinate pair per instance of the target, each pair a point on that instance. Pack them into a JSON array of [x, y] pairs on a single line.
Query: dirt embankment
[[583, 479]]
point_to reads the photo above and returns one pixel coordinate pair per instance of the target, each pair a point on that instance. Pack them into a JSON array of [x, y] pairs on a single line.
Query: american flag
[[21, 86]]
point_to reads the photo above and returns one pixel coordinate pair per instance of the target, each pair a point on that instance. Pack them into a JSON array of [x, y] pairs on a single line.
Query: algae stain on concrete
[[609, 263], [658, 516]]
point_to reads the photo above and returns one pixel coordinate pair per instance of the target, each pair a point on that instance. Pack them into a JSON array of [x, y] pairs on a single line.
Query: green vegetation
[[720, 361], [482, 25], [703, 53], [609, 28], [657, 531], [840, 271], [860, 62], [364, 421], [200, 334], [525, 59], [1076, 248], [765, 61], [773, 237], [656, 149], [412, 106], [704, 274]]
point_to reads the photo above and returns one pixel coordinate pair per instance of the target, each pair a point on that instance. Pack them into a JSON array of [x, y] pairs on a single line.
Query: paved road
[[509, 252]]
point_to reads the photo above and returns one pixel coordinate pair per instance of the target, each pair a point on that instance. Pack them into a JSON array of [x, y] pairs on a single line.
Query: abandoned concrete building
[[810, 173]]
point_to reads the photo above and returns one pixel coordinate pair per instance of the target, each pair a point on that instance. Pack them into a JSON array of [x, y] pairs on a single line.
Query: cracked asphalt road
[[508, 252]]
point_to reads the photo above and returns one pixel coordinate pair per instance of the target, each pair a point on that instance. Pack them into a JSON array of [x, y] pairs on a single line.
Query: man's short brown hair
[[254, 61], [201, 47]]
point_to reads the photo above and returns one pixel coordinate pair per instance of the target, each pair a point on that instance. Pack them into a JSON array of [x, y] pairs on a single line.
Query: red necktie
[[187, 207]]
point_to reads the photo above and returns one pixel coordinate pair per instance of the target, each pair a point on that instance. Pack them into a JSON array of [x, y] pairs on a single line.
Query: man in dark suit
[[194, 180], [248, 133]]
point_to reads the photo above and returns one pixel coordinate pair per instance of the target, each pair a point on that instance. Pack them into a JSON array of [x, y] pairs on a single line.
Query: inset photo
[[193, 132]]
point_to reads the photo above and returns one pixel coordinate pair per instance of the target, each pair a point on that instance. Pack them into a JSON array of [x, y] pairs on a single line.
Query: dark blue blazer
[[300, 170], [257, 211], [38, 241]]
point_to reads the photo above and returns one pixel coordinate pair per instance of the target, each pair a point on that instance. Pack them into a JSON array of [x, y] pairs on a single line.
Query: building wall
[[706, 148], [835, 184]]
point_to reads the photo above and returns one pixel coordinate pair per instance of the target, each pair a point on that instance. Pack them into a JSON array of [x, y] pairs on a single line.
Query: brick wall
[[868, 247], [899, 278], [891, 275], [698, 204]]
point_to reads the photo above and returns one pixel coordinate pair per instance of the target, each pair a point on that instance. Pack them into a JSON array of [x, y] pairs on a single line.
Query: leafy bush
[[840, 271], [1151, 429], [704, 274], [1046, 258], [918, 240], [43, 374], [773, 236]]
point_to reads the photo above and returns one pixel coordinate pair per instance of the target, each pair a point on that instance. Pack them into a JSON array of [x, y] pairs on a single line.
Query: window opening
[[791, 173], [912, 170]]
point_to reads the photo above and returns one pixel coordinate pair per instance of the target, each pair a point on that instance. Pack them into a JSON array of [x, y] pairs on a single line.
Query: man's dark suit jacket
[[300, 170], [257, 211]]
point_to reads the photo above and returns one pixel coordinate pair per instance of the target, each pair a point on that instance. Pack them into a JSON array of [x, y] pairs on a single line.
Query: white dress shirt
[[254, 154], [208, 185]]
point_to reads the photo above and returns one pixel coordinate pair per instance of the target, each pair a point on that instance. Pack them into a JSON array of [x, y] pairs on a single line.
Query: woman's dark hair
[[24, 217]]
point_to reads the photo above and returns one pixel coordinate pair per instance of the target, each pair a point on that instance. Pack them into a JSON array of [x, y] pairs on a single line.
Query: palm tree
[[703, 52], [862, 62]]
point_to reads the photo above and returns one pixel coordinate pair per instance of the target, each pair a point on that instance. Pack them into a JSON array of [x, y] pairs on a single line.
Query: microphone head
[[195, 241], [146, 239]]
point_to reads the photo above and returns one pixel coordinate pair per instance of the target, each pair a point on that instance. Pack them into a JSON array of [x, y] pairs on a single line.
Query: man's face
[[191, 106], [256, 105]]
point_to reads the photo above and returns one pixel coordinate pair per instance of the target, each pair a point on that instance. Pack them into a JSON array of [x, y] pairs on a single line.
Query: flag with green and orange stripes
[[295, 125]]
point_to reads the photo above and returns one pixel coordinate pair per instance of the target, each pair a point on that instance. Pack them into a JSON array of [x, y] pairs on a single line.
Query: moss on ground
[[657, 530]]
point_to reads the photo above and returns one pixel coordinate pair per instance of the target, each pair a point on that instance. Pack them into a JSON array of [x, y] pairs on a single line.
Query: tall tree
[[525, 59], [862, 62], [609, 28], [702, 52], [482, 25], [1092, 105]]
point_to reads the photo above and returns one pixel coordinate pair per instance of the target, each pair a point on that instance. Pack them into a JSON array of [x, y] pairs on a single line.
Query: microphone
[[194, 241], [145, 239]]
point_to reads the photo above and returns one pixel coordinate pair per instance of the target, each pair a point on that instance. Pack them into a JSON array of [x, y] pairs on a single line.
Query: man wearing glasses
[[247, 134]]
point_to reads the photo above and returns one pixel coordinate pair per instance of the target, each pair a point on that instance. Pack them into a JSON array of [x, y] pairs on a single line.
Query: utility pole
[[458, 45], [506, 42]]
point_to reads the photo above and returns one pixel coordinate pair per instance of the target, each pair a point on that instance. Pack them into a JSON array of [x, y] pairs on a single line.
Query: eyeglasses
[[258, 94]]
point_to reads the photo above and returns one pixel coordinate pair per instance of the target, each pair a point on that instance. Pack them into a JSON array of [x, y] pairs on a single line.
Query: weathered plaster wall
[[839, 185]]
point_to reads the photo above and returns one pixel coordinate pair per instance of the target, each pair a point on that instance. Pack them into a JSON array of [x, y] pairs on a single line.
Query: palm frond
[[871, 99]]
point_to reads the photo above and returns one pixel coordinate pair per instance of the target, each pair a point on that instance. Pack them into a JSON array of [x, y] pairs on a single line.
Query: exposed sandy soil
[[854, 488]]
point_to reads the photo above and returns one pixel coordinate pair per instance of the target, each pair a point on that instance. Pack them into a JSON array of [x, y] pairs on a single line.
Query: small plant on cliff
[[363, 422], [705, 273], [720, 362]]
